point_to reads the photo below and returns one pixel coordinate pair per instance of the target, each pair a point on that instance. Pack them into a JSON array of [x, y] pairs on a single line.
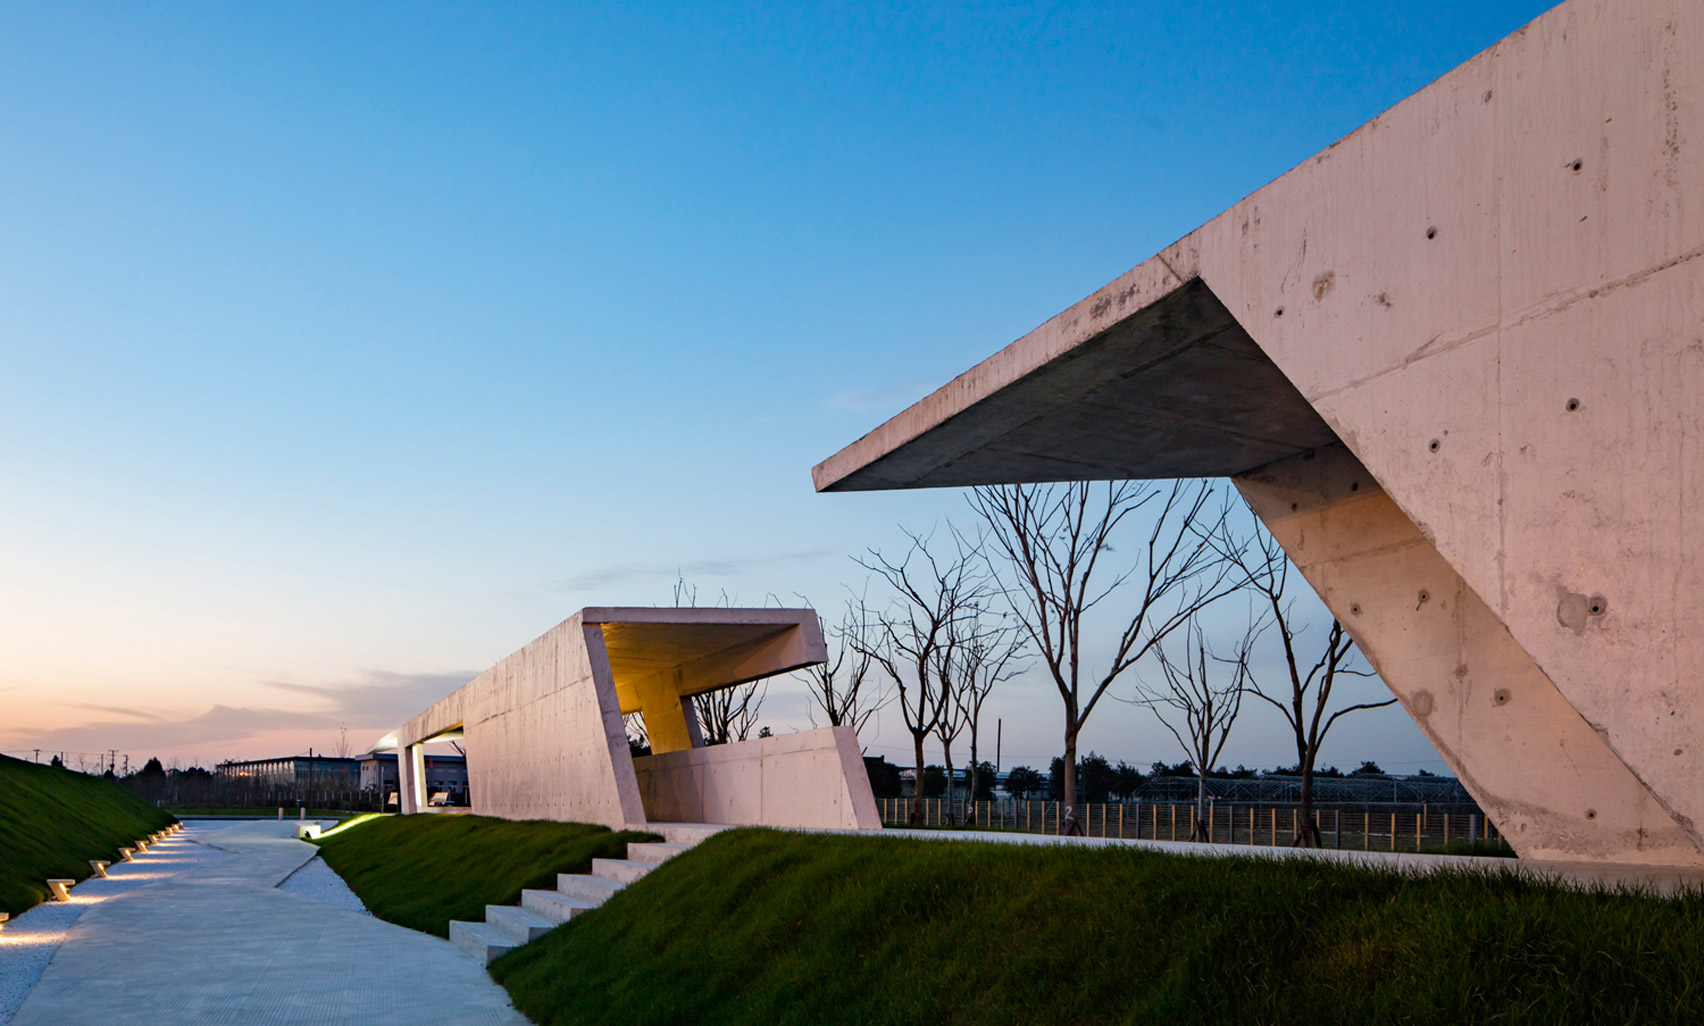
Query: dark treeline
[[1098, 778]]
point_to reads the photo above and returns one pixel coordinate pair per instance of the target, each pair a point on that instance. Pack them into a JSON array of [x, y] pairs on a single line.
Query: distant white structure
[[544, 735]]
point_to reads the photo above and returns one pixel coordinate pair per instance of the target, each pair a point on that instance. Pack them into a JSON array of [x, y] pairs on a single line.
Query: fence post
[[1337, 829], [1212, 814], [1366, 829], [1419, 830], [1173, 807], [1121, 820], [1393, 831], [1446, 831], [1295, 821]]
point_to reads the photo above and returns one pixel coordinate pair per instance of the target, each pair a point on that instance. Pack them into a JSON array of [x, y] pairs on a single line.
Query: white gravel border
[[314, 879], [28, 942]]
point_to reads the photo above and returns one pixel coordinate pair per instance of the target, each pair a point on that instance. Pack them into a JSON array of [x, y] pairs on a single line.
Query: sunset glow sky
[[344, 349]]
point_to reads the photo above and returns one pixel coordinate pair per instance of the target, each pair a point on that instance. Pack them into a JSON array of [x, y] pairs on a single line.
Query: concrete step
[[688, 834], [594, 889], [654, 853], [518, 924], [554, 905], [481, 941], [621, 871]]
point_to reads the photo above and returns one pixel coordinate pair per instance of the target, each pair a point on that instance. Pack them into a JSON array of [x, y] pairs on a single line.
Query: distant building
[[371, 774], [295, 771], [445, 774]]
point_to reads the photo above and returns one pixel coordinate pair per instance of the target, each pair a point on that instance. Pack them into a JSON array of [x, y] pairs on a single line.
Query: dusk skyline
[[349, 350]]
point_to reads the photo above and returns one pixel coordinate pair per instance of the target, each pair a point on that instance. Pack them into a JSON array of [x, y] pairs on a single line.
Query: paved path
[[1661, 880], [222, 944]]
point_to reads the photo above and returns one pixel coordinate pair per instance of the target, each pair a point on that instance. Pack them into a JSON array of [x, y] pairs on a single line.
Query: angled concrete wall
[[545, 739], [805, 780], [1492, 297]]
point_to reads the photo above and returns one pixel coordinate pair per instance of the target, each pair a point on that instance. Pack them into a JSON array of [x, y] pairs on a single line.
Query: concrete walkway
[[1661, 880], [222, 944]]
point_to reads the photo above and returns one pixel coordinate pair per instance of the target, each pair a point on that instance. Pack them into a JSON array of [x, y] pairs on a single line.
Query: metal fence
[[1390, 827]]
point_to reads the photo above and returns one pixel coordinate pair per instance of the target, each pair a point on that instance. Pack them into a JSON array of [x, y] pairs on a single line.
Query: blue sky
[[347, 348]]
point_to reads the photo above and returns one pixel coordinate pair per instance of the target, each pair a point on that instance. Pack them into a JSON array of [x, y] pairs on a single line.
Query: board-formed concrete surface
[[224, 945], [1456, 363], [545, 739]]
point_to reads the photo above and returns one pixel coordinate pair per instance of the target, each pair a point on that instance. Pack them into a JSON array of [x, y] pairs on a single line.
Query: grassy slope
[[423, 871], [763, 927], [53, 821]]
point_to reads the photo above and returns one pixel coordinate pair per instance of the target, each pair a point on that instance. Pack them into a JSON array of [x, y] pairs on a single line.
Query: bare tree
[[1198, 702], [341, 749], [1266, 574], [845, 687], [638, 740], [912, 640], [1048, 543], [730, 714], [986, 657], [726, 714]]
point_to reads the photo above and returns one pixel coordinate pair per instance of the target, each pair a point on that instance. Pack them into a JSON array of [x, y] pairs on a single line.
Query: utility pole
[[38, 755]]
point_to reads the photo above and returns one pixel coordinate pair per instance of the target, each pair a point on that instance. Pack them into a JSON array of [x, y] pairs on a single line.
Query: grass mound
[[53, 821], [761, 927], [423, 871]]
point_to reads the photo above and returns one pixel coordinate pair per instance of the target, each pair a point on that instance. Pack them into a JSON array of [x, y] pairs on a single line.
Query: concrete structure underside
[[1455, 363], [545, 739]]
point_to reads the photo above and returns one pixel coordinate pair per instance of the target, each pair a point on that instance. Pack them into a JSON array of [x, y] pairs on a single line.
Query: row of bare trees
[[1047, 576], [1102, 588]]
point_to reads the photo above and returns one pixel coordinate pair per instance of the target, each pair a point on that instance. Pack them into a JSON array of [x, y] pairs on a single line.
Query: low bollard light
[[99, 867], [124, 855], [61, 889]]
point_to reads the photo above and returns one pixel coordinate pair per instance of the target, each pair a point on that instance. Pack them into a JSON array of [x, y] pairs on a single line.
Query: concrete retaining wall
[[814, 778]]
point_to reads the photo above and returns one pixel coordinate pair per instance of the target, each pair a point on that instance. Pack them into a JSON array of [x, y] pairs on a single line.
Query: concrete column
[[670, 723], [1550, 782], [411, 778]]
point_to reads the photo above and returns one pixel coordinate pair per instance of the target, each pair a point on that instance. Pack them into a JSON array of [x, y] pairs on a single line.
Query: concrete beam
[[1491, 295]]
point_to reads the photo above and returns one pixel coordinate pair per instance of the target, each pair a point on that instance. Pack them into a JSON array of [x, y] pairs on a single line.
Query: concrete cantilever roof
[[1454, 363], [1173, 388]]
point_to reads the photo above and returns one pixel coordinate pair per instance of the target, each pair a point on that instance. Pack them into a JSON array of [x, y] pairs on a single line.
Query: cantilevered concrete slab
[[544, 735], [1456, 364]]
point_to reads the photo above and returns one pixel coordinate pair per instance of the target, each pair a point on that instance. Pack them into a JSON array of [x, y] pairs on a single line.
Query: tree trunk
[[1200, 831], [917, 787], [1068, 797], [947, 756], [975, 773], [1307, 834]]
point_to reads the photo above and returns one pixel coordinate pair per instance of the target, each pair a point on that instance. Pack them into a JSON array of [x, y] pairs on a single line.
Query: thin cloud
[[221, 724], [881, 398], [384, 697], [114, 710], [620, 573], [379, 701]]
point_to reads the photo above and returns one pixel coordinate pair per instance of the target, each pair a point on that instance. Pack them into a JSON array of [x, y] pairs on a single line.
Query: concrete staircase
[[507, 927]]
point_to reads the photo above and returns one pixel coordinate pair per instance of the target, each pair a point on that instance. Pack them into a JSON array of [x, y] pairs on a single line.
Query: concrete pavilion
[[545, 739], [1455, 362]]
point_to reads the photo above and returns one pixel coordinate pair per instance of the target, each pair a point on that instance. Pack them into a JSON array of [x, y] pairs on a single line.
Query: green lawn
[[269, 812], [53, 821], [766, 927], [423, 871]]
